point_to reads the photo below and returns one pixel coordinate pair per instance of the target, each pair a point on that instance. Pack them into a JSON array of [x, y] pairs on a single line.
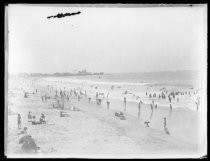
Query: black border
[[5, 3]]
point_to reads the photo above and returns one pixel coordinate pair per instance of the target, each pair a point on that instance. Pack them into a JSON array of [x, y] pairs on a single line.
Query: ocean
[[176, 78], [136, 85]]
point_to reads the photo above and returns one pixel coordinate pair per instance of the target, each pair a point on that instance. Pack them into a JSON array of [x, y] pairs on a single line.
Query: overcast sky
[[106, 39]]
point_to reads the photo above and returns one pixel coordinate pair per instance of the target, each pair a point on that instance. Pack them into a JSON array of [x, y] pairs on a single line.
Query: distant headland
[[57, 74]]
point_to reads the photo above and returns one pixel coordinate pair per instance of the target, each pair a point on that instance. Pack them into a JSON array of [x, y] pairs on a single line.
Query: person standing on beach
[[169, 98], [29, 115], [45, 97], [19, 121], [151, 111], [96, 95], [165, 128], [150, 95], [112, 87], [173, 95], [107, 95], [170, 107], [108, 103], [89, 99], [196, 105], [139, 107], [198, 98], [151, 105], [124, 103], [25, 95], [164, 122], [85, 93]]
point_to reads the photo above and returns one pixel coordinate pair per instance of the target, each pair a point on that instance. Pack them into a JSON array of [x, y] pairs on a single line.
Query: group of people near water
[[174, 95]]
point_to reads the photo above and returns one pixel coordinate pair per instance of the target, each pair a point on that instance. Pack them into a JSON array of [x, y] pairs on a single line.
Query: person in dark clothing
[[29, 146], [45, 97], [29, 117], [156, 106], [197, 105], [170, 107], [165, 128], [42, 119], [139, 107], [99, 101], [108, 103], [124, 103], [89, 99], [151, 111], [25, 95], [164, 122], [169, 98], [19, 121]]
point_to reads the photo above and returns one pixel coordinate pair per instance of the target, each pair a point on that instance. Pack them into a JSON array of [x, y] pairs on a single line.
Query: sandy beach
[[94, 131]]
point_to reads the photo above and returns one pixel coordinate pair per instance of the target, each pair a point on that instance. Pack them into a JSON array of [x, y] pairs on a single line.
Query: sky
[[106, 39]]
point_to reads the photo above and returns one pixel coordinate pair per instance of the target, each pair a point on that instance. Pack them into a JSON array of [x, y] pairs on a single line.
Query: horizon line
[[103, 72]]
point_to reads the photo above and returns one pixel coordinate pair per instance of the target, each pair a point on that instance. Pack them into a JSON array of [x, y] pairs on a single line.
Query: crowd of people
[[61, 96]]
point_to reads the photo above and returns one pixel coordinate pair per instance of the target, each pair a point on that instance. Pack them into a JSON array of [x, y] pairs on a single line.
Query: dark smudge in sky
[[61, 15]]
